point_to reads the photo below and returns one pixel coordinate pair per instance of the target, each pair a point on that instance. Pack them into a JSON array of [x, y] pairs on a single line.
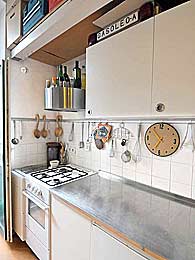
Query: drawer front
[[37, 247], [14, 25]]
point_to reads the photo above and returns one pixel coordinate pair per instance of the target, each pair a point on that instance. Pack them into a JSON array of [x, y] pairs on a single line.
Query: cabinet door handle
[[12, 15], [89, 112], [160, 107]]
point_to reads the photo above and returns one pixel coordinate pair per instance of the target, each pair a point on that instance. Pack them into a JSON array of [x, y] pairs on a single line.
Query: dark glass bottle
[[77, 75], [66, 78]]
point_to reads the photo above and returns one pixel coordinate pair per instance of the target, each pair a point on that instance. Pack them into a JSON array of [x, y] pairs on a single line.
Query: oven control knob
[[33, 189], [36, 191], [28, 186], [40, 193]]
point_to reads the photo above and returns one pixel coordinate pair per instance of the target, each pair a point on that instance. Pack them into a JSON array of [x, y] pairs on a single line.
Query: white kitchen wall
[[174, 174], [27, 89], [26, 100], [30, 151]]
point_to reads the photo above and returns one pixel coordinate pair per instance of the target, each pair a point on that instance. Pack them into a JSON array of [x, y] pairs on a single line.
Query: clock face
[[162, 139]]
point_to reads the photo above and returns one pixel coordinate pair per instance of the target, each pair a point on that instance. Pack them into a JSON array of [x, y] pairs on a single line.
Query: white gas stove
[[39, 181]]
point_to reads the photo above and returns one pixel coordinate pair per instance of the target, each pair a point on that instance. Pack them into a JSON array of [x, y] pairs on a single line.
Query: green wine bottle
[[60, 78], [66, 78], [77, 75]]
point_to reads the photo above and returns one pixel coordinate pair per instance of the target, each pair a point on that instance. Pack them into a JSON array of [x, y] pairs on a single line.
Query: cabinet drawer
[[14, 25]]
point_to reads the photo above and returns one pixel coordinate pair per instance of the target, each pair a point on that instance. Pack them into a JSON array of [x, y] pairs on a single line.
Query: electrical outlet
[[72, 150]]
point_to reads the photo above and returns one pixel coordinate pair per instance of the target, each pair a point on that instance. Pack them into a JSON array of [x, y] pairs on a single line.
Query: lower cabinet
[[73, 237], [70, 233], [104, 247]]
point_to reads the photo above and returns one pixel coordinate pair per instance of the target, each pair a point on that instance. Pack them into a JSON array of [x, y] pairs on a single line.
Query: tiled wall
[[30, 151], [175, 173]]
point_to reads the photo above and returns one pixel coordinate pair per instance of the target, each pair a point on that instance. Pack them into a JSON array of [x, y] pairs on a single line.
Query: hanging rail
[[175, 120]]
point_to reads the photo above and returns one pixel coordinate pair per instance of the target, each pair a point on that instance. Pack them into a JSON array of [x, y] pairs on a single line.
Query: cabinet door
[[119, 73], [174, 61], [104, 247], [70, 233], [14, 24]]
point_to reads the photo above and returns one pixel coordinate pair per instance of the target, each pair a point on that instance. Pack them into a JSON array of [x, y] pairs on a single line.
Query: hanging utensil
[[37, 133], [15, 140], [126, 156], [136, 154], [21, 128], [190, 142], [48, 131], [59, 129], [122, 133], [185, 136], [44, 131], [99, 144], [71, 135], [81, 144], [88, 143], [112, 153], [123, 142]]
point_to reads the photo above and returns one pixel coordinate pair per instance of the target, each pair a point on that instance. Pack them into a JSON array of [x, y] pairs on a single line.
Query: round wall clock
[[162, 139]]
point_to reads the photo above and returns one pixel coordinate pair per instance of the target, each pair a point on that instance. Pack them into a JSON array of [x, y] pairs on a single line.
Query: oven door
[[37, 218]]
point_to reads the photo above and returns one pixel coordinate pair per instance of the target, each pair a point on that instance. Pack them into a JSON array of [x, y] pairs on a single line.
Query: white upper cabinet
[[104, 247], [174, 61], [119, 73]]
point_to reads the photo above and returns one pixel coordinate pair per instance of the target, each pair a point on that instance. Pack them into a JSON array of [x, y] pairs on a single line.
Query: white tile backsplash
[[174, 173], [181, 189], [161, 168], [160, 183], [30, 151], [181, 173]]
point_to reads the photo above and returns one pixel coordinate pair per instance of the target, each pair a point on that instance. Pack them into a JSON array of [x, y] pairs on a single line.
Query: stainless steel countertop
[[156, 220]]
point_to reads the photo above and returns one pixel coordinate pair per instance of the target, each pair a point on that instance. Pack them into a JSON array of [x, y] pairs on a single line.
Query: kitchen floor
[[17, 250]]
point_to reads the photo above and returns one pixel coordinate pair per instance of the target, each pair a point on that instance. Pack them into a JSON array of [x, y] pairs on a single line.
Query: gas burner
[[53, 182], [59, 175], [64, 170]]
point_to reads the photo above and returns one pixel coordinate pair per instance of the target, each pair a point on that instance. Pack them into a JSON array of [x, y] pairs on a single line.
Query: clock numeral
[[148, 137], [161, 126], [158, 152], [174, 141]]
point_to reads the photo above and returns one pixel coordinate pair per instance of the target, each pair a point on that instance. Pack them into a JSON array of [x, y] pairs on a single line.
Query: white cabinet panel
[[174, 61], [104, 247], [14, 24], [119, 73], [70, 233]]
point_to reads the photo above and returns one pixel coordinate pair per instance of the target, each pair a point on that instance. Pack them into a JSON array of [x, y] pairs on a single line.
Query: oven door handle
[[43, 206]]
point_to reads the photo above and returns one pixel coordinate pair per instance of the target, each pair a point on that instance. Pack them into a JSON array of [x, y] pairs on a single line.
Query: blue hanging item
[[34, 11]]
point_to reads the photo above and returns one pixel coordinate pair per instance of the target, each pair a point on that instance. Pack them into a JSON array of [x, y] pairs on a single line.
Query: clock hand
[[157, 136], [157, 144]]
